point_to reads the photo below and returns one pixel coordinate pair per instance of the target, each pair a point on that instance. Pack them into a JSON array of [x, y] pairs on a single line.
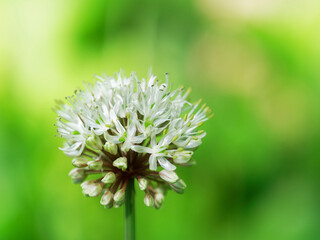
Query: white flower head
[[122, 128]]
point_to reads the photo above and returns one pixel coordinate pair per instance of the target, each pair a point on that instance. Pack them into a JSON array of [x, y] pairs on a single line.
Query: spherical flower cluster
[[123, 128]]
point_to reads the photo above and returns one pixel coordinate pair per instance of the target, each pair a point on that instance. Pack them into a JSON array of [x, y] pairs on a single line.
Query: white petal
[[111, 138], [131, 129], [166, 140], [138, 139], [153, 141], [119, 127], [141, 149], [153, 163], [166, 164]]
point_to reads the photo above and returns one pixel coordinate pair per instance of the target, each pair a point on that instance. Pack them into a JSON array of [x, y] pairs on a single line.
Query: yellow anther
[[199, 124], [203, 106], [174, 138]]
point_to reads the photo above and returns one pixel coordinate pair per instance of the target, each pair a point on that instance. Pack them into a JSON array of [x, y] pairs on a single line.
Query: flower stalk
[[129, 213]]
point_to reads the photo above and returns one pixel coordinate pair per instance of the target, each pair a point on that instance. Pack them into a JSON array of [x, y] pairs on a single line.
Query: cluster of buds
[[123, 128]]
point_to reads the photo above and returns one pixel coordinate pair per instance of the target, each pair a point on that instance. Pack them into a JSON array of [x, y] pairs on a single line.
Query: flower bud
[[181, 157], [158, 200], [95, 165], [178, 186], [107, 198], [109, 205], [111, 148], [159, 197], [148, 200], [110, 177], [119, 195], [117, 204], [80, 162], [169, 176], [77, 175], [120, 163], [94, 142], [143, 183], [91, 188]]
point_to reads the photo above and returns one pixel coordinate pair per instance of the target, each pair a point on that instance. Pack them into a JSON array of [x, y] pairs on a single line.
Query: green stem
[[129, 212]]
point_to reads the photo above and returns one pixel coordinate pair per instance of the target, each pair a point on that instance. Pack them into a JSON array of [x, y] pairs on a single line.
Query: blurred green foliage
[[256, 63]]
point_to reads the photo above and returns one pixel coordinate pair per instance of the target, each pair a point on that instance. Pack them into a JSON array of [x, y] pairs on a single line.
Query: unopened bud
[[108, 206], [111, 148], [159, 197], [80, 162], [143, 183], [106, 198], [169, 176], [158, 200], [91, 189], [148, 200], [95, 165], [182, 157], [178, 186], [77, 175], [120, 163], [117, 204], [110, 177], [94, 142], [119, 195]]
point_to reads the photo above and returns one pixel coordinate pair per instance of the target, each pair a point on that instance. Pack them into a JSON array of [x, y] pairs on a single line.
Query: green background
[[256, 64]]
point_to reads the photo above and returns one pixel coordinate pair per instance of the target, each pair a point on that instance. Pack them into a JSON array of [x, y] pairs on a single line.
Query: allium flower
[[123, 128]]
